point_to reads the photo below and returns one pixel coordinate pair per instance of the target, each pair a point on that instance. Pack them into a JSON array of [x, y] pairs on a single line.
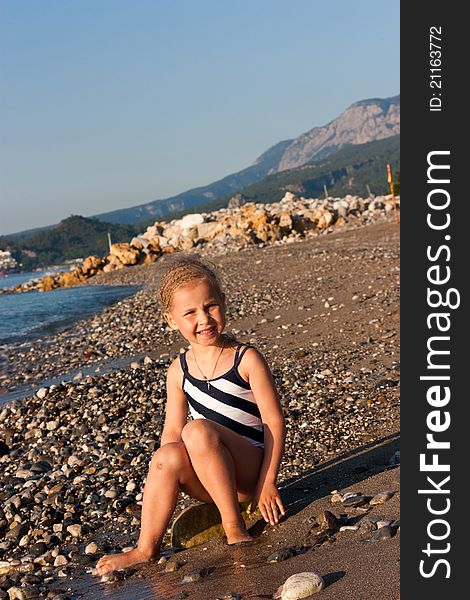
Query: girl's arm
[[176, 405], [257, 372]]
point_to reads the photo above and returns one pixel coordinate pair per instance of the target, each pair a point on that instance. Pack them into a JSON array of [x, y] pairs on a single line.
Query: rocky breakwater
[[290, 219]]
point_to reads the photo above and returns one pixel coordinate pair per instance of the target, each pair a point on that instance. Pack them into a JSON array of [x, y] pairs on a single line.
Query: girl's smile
[[198, 312]]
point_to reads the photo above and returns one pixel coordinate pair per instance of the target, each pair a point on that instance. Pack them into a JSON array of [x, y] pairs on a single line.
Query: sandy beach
[[325, 312]]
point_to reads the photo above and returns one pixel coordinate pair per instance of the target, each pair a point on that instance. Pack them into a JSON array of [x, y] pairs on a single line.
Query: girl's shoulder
[[175, 370], [250, 359]]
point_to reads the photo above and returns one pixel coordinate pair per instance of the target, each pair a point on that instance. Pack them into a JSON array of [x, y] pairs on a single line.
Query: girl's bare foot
[[123, 560], [237, 534]]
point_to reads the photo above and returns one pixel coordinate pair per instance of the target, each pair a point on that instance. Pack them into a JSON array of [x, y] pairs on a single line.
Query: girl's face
[[198, 312]]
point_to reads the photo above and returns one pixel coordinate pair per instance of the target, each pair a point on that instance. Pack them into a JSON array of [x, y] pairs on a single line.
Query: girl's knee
[[198, 434], [170, 456]]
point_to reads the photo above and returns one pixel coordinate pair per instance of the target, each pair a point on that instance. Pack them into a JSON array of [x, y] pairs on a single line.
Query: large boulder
[[112, 264], [48, 283], [125, 253], [190, 221], [207, 231], [71, 278], [91, 265]]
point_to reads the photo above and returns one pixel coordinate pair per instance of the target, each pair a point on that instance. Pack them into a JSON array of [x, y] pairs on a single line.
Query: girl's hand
[[269, 503]]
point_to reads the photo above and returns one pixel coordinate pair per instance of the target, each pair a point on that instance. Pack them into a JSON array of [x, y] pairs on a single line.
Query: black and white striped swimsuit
[[228, 400]]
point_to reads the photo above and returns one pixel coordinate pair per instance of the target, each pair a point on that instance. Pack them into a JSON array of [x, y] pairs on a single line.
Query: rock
[[75, 530], [48, 283], [42, 393], [349, 528], [38, 548], [71, 278], [282, 554], [112, 264], [23, 593], [191, 578], [91, 265], [191, 220], [125, 253], [91, 548], [384, 533], [173, 565], [353, 499], [197, 575], [383, 523], [230, 596], [381, 498], [336, 497], [60, 561], [302, 585], [327, 520]]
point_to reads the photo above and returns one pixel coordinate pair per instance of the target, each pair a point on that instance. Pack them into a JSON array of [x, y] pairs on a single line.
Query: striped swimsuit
[[228, 400]]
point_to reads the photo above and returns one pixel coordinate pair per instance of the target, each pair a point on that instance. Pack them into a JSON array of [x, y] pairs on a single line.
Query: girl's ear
[[171, 322]]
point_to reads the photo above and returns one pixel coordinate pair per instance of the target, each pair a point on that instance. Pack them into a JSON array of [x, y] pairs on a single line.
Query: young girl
[[231, 451]]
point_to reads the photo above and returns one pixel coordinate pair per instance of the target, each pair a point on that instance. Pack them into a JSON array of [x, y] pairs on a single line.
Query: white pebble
[[302, 585]]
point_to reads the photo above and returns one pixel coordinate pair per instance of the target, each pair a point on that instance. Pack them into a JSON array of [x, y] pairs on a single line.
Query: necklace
[[213, 370]]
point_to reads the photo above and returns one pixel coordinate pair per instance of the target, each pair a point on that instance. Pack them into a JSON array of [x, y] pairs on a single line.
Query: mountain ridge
[[363, 121]]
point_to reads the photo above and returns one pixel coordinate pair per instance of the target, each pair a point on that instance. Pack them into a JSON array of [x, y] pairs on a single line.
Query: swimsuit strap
[[239, 355], [184, 364]]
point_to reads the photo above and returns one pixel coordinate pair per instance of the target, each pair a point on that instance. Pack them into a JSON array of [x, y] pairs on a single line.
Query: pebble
[[383, 533], [75, 530], [23, 593], [282, 554], [349, 528], [381, 498], [91, 548], [302, 585], [327, 520], [60, 561], [173, 565], [353, 500]]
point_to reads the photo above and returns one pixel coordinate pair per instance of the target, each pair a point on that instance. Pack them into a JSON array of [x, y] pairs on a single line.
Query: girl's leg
[[228, 467], [169, 469]]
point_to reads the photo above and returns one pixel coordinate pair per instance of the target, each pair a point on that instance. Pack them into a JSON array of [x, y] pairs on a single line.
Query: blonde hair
[[183, 269]]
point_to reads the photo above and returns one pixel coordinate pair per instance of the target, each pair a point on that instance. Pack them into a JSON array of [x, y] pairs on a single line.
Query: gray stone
[[282, 554], [384, 533], [381, 497], [353, 500], [302, 585]]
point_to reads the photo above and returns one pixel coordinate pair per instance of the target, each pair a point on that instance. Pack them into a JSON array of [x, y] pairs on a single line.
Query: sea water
[[28, 316]]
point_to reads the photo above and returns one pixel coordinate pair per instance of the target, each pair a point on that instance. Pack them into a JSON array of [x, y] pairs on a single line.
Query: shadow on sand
[[297, 493]]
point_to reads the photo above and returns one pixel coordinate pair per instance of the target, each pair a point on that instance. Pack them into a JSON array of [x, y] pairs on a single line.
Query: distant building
[[7, 262]]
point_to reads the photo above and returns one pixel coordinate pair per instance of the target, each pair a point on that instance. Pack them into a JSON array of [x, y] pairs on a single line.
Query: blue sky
[[107, 104]]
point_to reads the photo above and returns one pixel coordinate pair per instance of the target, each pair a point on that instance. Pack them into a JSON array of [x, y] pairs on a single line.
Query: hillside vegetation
[[74, 237]]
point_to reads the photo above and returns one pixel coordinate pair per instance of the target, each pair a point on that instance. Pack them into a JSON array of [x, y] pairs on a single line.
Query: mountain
[[362, 122], [346, 171], [193, 198]]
